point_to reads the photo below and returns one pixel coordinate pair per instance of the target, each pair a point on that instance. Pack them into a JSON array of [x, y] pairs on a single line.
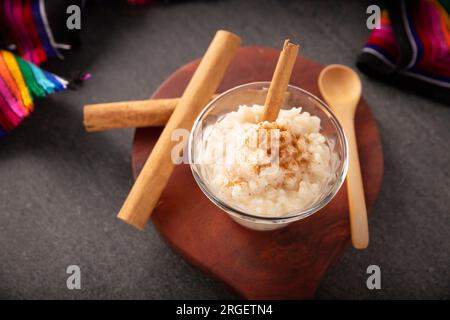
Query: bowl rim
[[291, 215]]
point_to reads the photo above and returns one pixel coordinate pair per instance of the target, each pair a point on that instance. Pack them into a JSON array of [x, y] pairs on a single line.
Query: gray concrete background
[[61, 188]]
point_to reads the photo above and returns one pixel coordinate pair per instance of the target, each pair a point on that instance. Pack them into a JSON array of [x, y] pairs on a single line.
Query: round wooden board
[[283, 264]]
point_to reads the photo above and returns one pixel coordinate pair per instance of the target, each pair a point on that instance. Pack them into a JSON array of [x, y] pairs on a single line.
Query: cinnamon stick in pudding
[[280, 81], [158, 168]]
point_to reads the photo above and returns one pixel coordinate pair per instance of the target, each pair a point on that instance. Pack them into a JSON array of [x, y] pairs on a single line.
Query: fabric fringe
[[20, 83]]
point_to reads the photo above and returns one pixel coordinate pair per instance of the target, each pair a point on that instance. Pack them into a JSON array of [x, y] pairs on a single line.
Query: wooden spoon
[[340, 86]]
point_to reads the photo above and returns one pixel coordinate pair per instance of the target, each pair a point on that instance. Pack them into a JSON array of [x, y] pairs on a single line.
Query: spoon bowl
[[341, 85]]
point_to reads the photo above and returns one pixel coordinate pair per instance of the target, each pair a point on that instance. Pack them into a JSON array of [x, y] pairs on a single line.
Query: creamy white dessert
[[266, 168]]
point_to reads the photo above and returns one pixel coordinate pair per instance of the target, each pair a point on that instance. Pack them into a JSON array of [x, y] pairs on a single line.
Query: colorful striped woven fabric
[[24, 23], [412, 47], [20, 83]]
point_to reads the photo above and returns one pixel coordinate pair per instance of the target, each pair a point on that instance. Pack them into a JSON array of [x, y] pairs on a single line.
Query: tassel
[[77, 81]]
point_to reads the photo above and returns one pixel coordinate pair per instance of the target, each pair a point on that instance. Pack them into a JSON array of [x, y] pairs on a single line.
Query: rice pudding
[[266, 168]]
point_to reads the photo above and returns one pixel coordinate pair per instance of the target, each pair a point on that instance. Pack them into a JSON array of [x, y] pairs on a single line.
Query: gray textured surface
[[61, 187]]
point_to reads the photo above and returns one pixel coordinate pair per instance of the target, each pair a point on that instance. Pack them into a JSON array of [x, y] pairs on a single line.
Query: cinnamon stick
[[158, 168], [280, 81], [128, 114]]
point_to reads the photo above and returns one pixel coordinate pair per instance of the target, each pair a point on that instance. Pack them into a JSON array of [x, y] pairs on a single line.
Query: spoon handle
[[357, 204]]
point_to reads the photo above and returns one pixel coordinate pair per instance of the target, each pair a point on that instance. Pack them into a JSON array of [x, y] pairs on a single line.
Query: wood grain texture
[[283, 264]]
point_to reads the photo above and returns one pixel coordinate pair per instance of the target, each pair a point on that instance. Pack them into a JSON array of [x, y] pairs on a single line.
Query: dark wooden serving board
[[283, 264]]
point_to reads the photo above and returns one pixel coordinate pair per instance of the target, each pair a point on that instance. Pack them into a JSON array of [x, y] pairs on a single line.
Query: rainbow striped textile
[[20, 83], [412, 47], [24, 23]]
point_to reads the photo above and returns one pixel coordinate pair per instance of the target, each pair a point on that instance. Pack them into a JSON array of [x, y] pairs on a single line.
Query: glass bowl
[[255, 93]]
